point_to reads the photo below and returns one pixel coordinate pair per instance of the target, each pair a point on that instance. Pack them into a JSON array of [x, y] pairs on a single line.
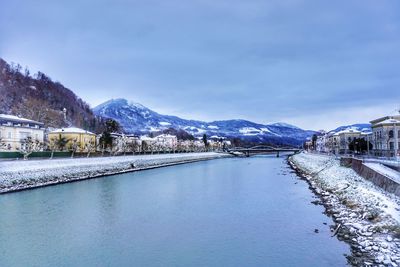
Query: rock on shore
[[366, 217], [19, 175]]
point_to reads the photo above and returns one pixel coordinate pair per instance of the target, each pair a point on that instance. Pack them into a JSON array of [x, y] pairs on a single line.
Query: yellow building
[[14, 130], [85, 140]]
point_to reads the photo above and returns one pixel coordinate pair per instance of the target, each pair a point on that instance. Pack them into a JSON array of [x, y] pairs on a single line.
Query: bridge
[[262, 150]]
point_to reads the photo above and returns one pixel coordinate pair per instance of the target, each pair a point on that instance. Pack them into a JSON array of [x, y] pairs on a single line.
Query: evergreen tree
[[205, 140]]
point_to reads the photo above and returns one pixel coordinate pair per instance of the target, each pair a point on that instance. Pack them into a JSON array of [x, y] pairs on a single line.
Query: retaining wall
[[377, 178]]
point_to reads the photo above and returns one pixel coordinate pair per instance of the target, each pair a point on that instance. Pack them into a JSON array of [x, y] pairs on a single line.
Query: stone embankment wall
[[377, 178]]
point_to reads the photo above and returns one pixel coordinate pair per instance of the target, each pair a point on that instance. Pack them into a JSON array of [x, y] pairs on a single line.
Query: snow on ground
[[382, 169], [16, 175], [269, 131], [249, 131], [370, 217], [388, 162], [213, 127], [194, 129], [335, 177]]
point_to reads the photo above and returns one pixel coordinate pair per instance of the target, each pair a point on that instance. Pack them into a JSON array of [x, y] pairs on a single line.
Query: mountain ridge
[[136, 118], [362, 127]]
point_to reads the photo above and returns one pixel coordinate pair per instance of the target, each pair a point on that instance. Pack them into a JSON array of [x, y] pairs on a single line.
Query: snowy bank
[[19, 175], [367, 217]]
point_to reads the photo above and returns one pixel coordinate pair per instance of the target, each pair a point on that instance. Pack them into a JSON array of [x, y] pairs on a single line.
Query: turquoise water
[[227, 212]]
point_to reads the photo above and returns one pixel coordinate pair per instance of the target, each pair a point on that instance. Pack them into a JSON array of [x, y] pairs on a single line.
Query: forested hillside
[[38, 97]]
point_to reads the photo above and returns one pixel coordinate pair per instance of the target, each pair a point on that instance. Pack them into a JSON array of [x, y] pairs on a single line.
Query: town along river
[[228, 212]]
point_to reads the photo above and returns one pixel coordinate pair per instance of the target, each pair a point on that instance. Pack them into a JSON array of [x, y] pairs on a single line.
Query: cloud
[[259, 60]]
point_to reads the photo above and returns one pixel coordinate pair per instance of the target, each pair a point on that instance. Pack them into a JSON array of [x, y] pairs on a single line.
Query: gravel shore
[[366, 217], [21, 175]]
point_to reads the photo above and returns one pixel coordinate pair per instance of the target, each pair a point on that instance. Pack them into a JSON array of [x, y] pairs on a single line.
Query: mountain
[[362, 127], [136, 118], [39, 98]]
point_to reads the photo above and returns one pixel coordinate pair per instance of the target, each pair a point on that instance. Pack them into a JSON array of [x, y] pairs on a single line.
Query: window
[[391, 145], [9, 135], [24, 135], [391, 134]]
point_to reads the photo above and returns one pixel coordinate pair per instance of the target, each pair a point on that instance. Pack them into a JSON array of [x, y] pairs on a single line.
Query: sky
[[314, 64]]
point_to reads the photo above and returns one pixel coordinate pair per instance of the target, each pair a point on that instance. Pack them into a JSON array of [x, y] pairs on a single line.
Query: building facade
[[338, 143], [386, 136], [15, 130], [321, 144], [166, 141], [85, 140]]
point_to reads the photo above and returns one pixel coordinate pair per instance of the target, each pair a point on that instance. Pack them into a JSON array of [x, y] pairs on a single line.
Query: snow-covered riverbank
[[19, 175], [367, 217]]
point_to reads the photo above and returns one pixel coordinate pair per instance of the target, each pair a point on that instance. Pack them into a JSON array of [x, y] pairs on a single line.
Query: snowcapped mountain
[[136, 118], [362, 127]]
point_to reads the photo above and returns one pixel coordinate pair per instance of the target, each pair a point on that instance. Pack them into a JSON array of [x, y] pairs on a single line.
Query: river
[[227, 212]]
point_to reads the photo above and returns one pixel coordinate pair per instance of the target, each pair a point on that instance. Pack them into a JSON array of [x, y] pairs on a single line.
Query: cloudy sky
[[315, 64]]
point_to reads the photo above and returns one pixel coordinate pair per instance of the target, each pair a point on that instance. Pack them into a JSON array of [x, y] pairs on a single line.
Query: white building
[[166, 141], [322, 142], [344, 138], [147, 143], [386, 136], [14, 130]]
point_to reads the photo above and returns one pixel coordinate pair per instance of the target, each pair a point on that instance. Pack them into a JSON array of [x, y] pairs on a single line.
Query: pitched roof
[[5, 117], [387, 122], [349, 130], [71, 130]]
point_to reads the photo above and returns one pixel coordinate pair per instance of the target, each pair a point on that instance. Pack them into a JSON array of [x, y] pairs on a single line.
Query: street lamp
[[396, 140]]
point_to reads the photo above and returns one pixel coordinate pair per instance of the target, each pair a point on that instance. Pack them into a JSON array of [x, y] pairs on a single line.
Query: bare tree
[[3, 144], [39, 110], [134, 146], [27, 72], [116, 146], [89, 146], [28, 146], [123, 143], [102, 146], [52, 145], [74, 146], [145, 146]]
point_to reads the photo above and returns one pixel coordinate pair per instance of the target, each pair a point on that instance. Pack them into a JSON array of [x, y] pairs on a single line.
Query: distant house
[[166, 141], [14, 130], [332, 143], [125, 142], [344, 138], [85, 139], [308, 145], [322, 142], [386, 135]]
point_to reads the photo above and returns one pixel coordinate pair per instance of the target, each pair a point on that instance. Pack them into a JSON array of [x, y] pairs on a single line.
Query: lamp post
[[396, 140]]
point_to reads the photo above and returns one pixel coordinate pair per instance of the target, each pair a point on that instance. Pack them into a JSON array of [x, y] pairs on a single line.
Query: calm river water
[[228, 212]]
